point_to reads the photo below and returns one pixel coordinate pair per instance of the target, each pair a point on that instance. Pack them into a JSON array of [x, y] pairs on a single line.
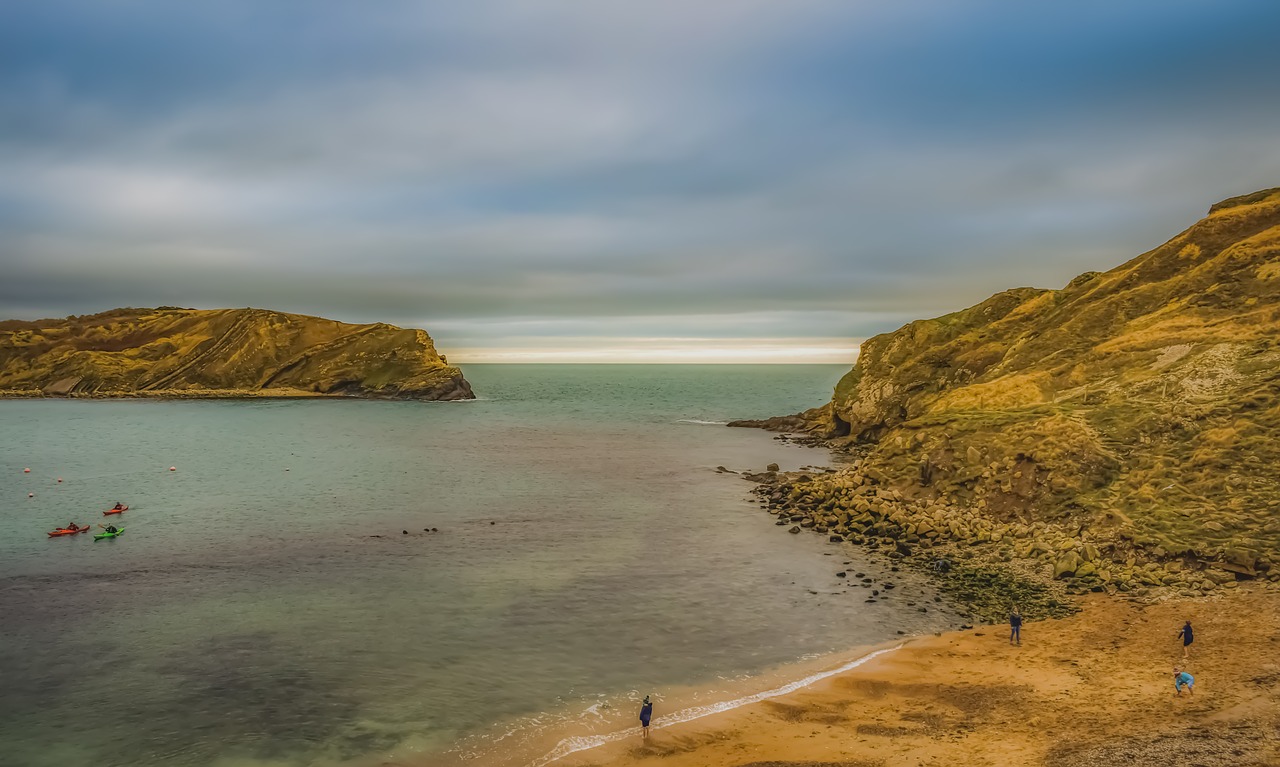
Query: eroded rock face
[[187, 352], [1140, 404]]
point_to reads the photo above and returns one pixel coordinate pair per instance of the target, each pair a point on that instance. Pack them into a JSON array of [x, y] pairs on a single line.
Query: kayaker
[[112, 529], [71, 526], [117, 506]]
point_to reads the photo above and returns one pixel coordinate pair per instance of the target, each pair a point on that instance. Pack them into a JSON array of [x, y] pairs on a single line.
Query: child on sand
[[1181, 679], [646, 713], [1187, 638]]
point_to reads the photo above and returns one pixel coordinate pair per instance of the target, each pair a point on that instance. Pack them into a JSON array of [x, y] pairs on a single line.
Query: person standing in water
[[1015, 627], [1186, 636], [646, 713]]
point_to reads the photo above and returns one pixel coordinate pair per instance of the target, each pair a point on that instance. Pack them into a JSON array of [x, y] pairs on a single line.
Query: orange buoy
[[173, 468], [59, 479], [26, 471], [31, 495]]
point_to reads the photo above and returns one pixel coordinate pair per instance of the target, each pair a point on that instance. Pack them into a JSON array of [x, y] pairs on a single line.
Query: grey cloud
[[721, 170]]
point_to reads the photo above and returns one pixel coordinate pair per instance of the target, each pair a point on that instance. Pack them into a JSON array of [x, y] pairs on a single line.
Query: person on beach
[[1183, 679], [1187, 637], [1015, 627], [646, 713]]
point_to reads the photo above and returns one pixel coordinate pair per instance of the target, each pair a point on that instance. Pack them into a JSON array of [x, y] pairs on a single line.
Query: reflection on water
[[280, 598]]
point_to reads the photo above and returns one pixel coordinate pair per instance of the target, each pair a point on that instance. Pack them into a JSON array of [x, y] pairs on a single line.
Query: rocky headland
[[1118, 435], [175, 352]]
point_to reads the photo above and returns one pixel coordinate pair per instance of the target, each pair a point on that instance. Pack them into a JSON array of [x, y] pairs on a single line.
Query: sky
[[711, 181]]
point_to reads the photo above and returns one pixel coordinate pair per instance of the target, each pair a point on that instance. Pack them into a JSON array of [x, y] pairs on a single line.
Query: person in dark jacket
[[1015, 627], [1187, 638], [646, 713]]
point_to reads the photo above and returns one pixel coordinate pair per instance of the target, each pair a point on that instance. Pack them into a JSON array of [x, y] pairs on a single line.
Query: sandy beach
[[1092, 689]]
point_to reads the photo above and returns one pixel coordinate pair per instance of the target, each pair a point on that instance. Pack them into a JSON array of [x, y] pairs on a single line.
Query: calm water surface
[[265, 608]]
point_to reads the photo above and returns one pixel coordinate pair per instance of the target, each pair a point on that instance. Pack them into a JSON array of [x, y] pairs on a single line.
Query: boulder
[[1066, 565]]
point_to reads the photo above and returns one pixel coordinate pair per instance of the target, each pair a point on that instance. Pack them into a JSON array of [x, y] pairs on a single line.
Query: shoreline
[[577, 728], [550, 736], [577, 744], [209, 394], [1092, 688]]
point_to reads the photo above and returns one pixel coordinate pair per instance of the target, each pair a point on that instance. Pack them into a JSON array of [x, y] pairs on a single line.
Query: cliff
[[223, 352], [1134, 413]]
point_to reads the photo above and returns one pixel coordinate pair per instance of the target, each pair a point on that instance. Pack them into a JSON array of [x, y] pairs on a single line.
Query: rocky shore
[[1116, 435], [450, 392], [987, 566]]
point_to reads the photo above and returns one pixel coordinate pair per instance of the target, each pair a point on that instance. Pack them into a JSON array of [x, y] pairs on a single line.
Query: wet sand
[[1092, 689]]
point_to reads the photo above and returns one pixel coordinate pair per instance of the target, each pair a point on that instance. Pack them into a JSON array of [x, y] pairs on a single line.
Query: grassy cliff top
[[1138, 406], [190, 352]]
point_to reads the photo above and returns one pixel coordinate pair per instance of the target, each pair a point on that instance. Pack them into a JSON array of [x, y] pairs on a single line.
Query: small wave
[[702, 423], [585, 742]]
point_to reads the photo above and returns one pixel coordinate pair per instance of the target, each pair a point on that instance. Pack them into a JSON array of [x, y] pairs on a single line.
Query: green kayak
[[102, 535]]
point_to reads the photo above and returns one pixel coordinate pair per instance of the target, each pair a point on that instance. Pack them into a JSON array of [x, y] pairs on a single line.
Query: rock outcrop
[[220, 353], [1130, 419]]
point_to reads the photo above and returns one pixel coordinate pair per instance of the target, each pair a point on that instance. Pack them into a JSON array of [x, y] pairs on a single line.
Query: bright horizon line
[[765, 355], [631, 362]]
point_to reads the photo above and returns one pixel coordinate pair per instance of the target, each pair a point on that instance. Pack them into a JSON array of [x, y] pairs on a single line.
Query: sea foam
[[585, 742]]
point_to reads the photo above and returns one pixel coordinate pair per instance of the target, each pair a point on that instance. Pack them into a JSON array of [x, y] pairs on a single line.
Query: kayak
[[109, 512], [105, 534], [68, 531]]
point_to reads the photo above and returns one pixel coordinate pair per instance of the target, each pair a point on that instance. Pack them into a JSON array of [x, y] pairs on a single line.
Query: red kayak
[[68, 531], [114, 511]]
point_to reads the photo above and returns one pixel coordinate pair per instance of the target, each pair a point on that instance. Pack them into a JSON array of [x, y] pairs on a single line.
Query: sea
[[347, 583]]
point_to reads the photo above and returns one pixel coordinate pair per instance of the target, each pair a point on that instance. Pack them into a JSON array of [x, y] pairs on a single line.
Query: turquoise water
[[265, 607]]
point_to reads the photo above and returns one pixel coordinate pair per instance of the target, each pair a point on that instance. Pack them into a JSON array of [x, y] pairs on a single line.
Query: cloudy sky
[[705, 180]]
